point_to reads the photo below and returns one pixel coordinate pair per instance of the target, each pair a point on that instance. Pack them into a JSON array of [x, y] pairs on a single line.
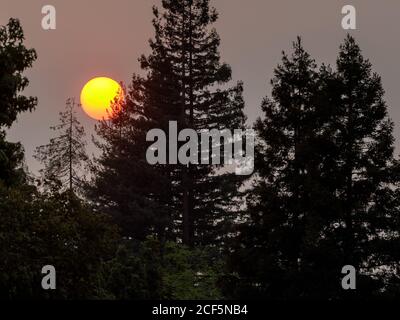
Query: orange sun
[[98, 95]]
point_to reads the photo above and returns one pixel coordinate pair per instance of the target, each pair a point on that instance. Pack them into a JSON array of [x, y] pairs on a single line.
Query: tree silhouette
[[326, 193], [138, 195], [274, 236], [65, 155], [15, 58], [184, 30], [185, 82], [366, 179]]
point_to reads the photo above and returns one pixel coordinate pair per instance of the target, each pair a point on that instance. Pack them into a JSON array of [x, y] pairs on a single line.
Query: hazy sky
[[105, 38]]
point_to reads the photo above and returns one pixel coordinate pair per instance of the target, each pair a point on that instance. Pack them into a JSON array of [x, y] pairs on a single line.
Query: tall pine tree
[[270, 256], [184, 30], [137, 195], [366, 181], [65, 156], [326, 193], [185, 82]]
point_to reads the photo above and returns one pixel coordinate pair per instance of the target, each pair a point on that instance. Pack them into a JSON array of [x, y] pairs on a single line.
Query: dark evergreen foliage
[[325, 195], [184, 84], [64, 157], [15, 58], [325, 192]]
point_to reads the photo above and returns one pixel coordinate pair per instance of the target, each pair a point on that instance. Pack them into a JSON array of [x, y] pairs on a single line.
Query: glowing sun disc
[[97, 96]]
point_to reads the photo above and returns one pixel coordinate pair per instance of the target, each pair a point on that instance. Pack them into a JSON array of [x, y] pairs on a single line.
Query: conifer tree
[[326, 193], [65, 155], [184, 30], [185, 82], [279, 211], [366, 175], [136, 194]]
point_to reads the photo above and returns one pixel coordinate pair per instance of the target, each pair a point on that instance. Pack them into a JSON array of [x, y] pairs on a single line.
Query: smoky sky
[[106, 37]]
